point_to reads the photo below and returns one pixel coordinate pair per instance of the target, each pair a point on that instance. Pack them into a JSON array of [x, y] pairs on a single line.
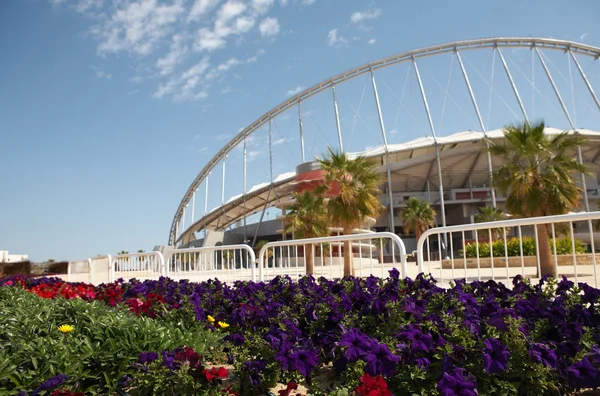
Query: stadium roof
[[412, 164]]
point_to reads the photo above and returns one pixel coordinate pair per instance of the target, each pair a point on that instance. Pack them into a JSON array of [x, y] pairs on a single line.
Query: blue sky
[[110, 108]]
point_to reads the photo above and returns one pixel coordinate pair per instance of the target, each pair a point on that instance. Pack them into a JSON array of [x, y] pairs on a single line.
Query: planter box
[[515, 262]]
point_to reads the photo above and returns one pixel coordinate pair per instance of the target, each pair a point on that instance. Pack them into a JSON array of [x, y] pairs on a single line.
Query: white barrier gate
[[227, 263], [80, 271], [447, 260], [288, 257], [147, 265]]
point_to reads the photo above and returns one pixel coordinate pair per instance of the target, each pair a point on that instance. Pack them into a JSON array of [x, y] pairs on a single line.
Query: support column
[[437, 151], [262, 215], [206, 194], [271, 149], [387, 153], [223, 184], [193, 204], [437, 157], [483, 129], [587, 83], [301, 129], [512, 84], [562, 105], [245, 214], [337, 119]]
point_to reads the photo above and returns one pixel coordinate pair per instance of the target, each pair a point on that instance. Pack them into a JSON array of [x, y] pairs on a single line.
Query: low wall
[[514, 262]]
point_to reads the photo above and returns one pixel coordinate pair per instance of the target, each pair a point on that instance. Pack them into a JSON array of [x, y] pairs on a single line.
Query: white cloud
[[253, 154], [101, 74], [360, 16], [244, 24], [372, 41], [333, 40], [295, 91], [394, 132], [209, 40], [583, 36], [221, 136], [269, 27], [216, 72], [184, 87], [230, 10], [137, 26], [178, 51], [167, 32], [200, 8], [262, 6], [228, 65], [308, 2]]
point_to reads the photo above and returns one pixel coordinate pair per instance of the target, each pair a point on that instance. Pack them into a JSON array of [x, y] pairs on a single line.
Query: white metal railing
[[80, 271], [147, 265], [444, 250], [228, 263], [373, 250]]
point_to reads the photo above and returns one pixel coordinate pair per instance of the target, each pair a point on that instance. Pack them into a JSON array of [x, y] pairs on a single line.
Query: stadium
[[395, 111]]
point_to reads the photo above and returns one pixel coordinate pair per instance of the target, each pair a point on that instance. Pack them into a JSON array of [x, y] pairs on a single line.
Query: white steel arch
[[570, 47]]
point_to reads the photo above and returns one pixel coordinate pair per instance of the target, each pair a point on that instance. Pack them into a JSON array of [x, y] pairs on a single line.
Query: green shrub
[[528, 246], [98, 352]]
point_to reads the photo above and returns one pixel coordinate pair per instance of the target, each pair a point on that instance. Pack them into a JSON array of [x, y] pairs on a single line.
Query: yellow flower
[[210, 319], [65, 328], [223, 325]]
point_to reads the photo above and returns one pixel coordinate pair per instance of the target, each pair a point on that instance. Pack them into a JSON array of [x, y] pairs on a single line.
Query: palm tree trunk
[[309, 259], [348, 261], [545, 254]]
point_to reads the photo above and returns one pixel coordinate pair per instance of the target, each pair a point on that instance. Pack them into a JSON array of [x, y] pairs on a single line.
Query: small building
[[12, 258]]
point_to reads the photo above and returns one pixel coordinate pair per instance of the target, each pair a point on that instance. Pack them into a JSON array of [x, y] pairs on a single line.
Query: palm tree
[[418, 216], [352, 186], [537, 177], [307, 218], [487, 214]]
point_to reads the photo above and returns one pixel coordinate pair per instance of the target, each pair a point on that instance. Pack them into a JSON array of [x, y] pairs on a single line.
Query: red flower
[[216, 373], [372, 386], [228, 391], [191, 358], [290, 387]]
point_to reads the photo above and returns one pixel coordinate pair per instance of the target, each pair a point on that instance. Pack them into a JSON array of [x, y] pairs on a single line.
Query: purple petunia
[[495, 356], [583, 374], [543, 354], [416, 340], [254, 368], [357, 344], [380, 361], [168, 360], [147, 357], [304, 361], [51, 383], [458, 382]]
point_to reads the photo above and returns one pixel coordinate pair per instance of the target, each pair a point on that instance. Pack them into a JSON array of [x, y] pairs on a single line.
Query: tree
[[307, 218], [418, 216], [537, 177], [352, 186], [487, 214]]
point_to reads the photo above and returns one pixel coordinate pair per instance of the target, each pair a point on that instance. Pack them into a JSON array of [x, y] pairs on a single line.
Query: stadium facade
[[452, 173]]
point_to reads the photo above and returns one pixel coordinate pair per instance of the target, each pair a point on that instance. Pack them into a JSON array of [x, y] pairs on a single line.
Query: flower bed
[[345, 337]]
